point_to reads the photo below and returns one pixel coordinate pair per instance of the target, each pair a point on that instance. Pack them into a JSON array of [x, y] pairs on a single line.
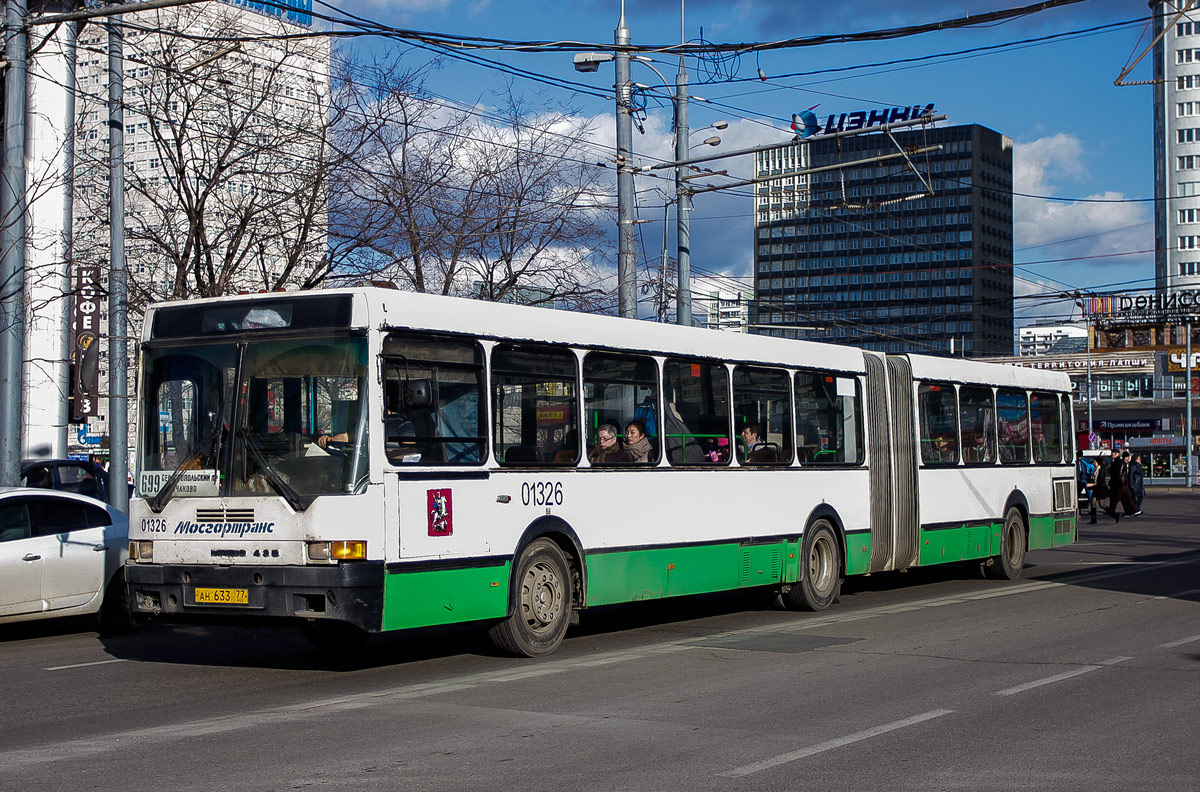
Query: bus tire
[[820, 581], [1010, 562], [541, 610]]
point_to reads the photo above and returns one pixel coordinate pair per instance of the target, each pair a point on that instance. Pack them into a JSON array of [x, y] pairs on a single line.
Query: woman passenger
[[637, 445]]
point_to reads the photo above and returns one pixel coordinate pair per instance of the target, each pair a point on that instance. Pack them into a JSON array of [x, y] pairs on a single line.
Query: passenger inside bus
[[637, 443], [755, 450]]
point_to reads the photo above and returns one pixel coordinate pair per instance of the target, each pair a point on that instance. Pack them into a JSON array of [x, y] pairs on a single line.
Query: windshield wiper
[[294, 499]]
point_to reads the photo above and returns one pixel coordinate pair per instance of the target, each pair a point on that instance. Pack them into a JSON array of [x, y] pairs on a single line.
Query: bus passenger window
[[620, 390], [1046, 429], [761, 399], [977, 421], [938, 413], [828, 419], [433, 392], [696, 414], [534, 405], [1013, 416]]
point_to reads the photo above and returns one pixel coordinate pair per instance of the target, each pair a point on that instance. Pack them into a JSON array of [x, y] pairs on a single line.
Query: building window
[[1187, 28], [1188, 215]]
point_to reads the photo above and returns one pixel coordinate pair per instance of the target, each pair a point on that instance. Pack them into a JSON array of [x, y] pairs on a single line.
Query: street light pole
[[626, 260], [12, 244], [683, 208]]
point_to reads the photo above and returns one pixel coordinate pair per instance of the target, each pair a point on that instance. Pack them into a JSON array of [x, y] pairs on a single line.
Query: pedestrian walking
[[1137, 483], [1118, 487], [1085, 477]]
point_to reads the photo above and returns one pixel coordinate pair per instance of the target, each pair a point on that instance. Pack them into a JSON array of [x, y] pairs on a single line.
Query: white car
[[62, 554]]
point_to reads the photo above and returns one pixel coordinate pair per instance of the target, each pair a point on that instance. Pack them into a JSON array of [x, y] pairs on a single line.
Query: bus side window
[[617, 391], [937, 409], [534, 403], [977, 420], [1045, 428], [762, 400], [828, 419], [696, 413], [1013, 423], [433, 392]]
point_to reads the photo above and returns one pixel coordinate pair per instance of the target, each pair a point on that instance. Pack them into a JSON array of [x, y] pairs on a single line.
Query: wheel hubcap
[[542, 596], [819, 567]]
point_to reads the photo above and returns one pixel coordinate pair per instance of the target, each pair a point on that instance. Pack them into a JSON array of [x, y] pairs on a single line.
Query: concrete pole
[[1188, 435], [12, 244], [118, 363], [49, 151], [683, 208], [626, 257]]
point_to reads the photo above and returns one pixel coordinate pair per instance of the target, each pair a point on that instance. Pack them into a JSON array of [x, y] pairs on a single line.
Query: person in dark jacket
[[1137, 483], [1118, 488]]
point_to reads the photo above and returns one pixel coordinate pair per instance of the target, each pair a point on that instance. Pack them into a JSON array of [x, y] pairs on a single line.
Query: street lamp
[[626, 261]]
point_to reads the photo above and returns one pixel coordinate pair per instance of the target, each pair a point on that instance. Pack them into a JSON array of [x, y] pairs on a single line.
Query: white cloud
[[1076, 228]]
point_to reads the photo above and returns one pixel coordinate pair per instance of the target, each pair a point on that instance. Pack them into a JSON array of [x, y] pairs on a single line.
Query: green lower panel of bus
[[625, 576], [858, 553], [970, 541], [1051, 531], [444, 596]]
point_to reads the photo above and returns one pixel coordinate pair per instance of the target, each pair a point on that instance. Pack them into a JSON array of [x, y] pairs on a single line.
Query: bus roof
[[387, 308]]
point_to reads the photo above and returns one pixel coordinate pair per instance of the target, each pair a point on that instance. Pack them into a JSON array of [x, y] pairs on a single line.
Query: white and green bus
[[362, 460]]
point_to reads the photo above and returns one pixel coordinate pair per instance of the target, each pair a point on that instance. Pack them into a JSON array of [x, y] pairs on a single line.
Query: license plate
[[222, 596]]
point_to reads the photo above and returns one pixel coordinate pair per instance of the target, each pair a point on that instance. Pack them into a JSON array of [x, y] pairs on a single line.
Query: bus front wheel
[[821, 573], [1010, 562], [542, 603]]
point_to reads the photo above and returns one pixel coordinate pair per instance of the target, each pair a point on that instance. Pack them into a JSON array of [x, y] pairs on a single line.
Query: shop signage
[[847, 122], [1155, 442], [85, 342], [1129, 425], [1177, 360], [1183, 301], [1064, 364]]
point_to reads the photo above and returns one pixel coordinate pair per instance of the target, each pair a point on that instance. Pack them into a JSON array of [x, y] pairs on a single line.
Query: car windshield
[[294, 425]]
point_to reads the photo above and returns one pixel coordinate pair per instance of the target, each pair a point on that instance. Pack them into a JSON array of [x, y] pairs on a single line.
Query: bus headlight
[[337, 551], [141, 551]]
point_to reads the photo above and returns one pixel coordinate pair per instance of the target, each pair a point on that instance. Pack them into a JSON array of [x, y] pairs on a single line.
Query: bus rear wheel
[[541, 609], [821, 570], [1010, 562]]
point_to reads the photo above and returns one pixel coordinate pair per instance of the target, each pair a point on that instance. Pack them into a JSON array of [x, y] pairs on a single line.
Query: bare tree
[[226, 156], [499, 204]]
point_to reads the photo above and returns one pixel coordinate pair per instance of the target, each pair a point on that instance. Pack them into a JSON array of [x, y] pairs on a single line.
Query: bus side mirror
[[418, 394]]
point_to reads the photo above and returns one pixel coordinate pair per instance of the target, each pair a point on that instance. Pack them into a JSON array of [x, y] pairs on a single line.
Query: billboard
[[85, 342]]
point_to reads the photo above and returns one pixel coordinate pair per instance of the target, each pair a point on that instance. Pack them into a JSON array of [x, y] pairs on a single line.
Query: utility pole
[[683, 235], [626, 258], [12, 244], [118, 304]]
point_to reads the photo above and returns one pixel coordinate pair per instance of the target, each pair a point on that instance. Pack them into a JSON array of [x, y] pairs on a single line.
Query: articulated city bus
[[362, 460]]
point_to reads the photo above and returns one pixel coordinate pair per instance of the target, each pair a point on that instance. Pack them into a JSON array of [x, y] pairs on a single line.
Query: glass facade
[[884, 258]]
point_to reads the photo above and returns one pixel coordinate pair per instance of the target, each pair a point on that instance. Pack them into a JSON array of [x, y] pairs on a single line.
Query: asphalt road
[[1084, 675]]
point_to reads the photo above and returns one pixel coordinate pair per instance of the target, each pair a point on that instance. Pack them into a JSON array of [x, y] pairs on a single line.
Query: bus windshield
[[295, 424]]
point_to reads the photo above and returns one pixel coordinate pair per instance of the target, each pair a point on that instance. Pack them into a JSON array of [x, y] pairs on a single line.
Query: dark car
[[68, 475]]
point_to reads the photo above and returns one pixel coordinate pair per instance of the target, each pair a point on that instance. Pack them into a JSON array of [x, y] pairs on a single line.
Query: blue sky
[[1077, 136]]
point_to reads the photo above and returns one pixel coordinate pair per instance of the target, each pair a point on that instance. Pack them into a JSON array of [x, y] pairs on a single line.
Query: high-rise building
[[909, 253], [225, 119], [1176, 147], [720, 303]]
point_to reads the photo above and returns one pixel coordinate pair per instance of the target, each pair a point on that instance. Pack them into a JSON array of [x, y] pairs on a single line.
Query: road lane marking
[[1178, 594], [1060, 677], [829, 745], [84, 665], [1180, 642]]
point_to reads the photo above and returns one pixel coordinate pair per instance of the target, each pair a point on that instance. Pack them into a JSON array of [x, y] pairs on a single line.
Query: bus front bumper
[[350, 592]]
